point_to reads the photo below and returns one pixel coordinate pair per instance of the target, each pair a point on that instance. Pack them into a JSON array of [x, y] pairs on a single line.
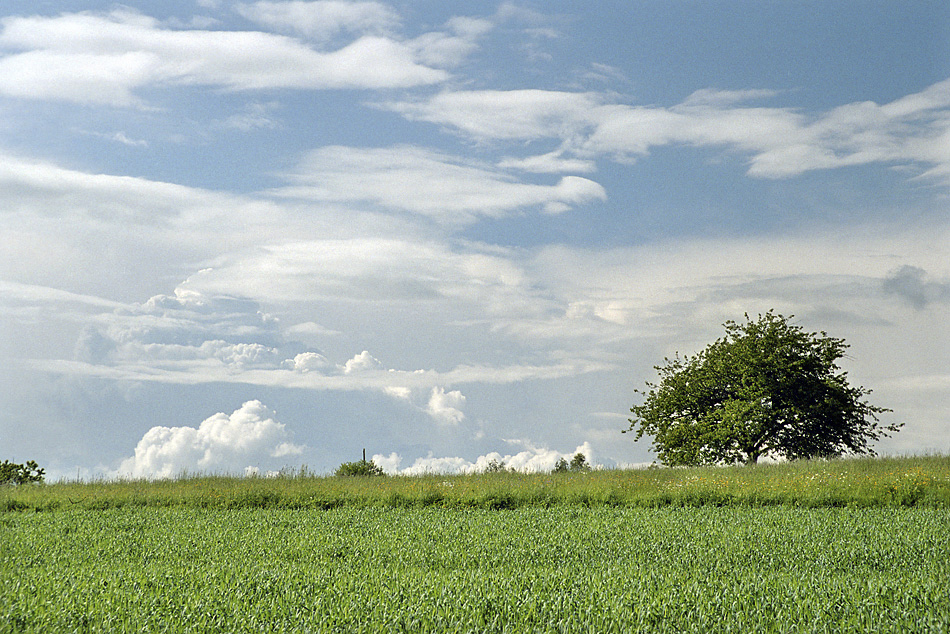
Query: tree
[[497, 466], [359, 468], [766, 388], [578, 464], [12, 473]]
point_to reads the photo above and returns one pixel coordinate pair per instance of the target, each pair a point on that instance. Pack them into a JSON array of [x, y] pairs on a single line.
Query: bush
[[359, 468], [12, 473]]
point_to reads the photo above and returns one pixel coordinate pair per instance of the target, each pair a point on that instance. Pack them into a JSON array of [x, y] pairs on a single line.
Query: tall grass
[[921, 481]]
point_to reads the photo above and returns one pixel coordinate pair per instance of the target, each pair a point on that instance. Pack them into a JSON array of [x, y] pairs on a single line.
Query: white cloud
[[226, 443], [256, 116], [429, 183], [106, 59], [362, 362], [309, 362], [780, 142], [323, 19], [445, 407], [550, 163], [450, 48], [312, 329], [533, 459], [507, 114]]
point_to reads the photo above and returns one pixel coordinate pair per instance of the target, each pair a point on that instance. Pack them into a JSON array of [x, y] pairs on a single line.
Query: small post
[[364, 455]]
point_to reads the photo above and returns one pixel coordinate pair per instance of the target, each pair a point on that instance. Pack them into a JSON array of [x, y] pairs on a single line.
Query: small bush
[[359, 468]]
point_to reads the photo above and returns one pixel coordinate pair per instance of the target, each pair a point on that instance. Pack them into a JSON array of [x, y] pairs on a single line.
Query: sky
[[240, 237]]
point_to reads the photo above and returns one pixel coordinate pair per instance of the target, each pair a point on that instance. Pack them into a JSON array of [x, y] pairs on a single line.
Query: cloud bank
[[531, 460], [247, 438]]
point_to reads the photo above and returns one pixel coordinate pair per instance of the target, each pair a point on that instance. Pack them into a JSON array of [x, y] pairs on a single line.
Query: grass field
[[561, 569], [841, 546], [868, 482]]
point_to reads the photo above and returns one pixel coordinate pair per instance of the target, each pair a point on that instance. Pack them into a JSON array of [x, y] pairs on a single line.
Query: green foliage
[[578, 464], [497, 466], [12, 473], [359, 468], [767, 388], [431, 570]]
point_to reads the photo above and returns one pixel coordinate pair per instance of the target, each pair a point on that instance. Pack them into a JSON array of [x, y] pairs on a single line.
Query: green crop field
[[559, 569], [840, 546]]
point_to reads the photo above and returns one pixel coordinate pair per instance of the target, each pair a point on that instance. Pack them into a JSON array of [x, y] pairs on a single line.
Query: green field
[[840, 546], [558, 569]]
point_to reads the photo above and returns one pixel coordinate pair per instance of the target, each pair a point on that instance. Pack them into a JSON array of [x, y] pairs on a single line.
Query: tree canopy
[[13, 473], [766, 388]]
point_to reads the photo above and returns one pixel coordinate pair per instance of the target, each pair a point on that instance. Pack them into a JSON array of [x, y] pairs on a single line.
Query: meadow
[[842, 546], [919, 481]]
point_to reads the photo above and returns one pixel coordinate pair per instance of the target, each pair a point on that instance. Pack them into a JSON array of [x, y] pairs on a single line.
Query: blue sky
[[246, 236]]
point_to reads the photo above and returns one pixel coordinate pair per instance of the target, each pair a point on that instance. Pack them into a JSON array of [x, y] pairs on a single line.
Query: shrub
[[359, 468]]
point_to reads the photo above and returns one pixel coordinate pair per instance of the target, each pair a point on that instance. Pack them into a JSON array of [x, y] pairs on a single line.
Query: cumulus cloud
[[221, 443], [187, 327], [429, 183], [533, 459], [362, 362], [308, 362], [192, 338], [107, 58], [445, 407]]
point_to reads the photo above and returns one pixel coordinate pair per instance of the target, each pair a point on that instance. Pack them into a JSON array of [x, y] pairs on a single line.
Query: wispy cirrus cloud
[[430, 183], [780, 142], [324, 19]]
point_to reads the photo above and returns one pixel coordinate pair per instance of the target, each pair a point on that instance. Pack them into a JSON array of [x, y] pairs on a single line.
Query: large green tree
[[766, 388]]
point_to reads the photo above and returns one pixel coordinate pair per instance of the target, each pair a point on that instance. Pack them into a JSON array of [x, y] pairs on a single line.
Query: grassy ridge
[[922, 481]]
